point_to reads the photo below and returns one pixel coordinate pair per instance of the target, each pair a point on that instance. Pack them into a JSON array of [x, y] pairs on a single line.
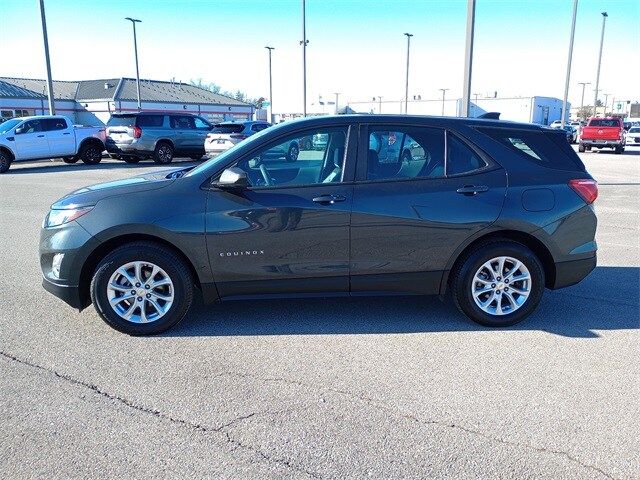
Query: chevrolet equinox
[[487, 212]]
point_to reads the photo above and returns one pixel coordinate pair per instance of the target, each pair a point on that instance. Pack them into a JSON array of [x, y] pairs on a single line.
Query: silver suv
[[136, 136]]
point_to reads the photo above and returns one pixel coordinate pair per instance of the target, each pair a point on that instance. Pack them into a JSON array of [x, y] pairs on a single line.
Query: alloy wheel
[[501, 285]]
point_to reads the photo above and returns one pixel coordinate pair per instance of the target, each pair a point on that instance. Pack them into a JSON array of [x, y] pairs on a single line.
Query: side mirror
[[19, 130], [233, 178]]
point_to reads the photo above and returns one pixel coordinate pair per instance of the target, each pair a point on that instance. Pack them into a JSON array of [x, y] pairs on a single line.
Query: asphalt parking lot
[[339, 388]]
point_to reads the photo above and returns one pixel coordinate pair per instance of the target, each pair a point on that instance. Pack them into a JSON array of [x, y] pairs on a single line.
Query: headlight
[[59, 217]]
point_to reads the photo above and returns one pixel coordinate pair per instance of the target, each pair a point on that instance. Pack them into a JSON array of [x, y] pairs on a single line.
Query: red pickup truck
[[603, 133]]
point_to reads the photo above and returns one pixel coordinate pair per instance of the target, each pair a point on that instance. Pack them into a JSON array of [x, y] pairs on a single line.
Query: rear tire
[[115, 156], [91, 154], [195, 157], [292, 154], [5, 162], [581, 148], [472, 284], [130, 159], [70, 160], [619, 149], [163, 153], [152, 257]]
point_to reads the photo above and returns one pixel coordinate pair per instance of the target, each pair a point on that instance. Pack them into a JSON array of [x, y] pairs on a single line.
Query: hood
[[92, 194]]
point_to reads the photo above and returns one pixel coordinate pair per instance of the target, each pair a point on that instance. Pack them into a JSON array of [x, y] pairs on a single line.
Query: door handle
[[329, 199], [66, 133], [40, 136], [471, 190]]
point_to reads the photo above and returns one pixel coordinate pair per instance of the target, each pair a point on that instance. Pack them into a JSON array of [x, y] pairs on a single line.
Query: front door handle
[[40, 136], [67, 133], [329, 199], [471, 190]]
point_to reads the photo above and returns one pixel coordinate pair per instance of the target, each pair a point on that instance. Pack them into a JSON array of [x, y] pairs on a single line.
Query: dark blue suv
[[490, 212]]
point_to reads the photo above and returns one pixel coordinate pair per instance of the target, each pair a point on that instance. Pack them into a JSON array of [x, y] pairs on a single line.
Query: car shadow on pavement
[[19, 168], [608, 299]]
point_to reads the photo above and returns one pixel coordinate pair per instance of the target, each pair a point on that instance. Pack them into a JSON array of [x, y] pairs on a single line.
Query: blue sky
[[357, 47]]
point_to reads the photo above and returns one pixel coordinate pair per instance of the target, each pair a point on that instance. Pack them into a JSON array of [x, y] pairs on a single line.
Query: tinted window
[[283, 164], [602, 122], [8, 125], [460, 158], [201, 124], [405, 152], [549, 148], [258, 126], [121, 121], [228, 128], [150, 120], [32, 126], [183, 123], [634, 130], [50, 124]]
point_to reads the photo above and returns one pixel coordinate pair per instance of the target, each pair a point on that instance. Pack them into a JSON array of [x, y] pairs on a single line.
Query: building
[[91, 102], [541, 110]]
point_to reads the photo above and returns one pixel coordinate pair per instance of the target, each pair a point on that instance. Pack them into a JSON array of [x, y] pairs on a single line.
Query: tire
[[70, 160], [292, 154], [463, 280], [195, 157], [169, 265], [308, 145], [5, 162], [619, 149], [90, 153], [115, 156], [163, 153], [581, 148], [130, 159]]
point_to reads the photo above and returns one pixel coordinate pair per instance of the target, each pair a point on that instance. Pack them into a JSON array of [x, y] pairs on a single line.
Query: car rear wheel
[[70, 160], [195, 157], [292, 154], [5, 162], [498, 284], [130, 159], [581, 148], [90, 154], [619, 149], [142, 288], [115, 156], [163, 153]]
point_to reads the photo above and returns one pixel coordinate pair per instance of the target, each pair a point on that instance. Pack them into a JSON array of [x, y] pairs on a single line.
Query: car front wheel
[[292, 154], [142, 288], [498, 284]]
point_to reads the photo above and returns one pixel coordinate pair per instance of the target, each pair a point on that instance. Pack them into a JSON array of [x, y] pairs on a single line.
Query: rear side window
[[51, 124], [460, 158], [258, 126], [150, 120], [603, 122], [547, 148], [228, 128], [121, 121]]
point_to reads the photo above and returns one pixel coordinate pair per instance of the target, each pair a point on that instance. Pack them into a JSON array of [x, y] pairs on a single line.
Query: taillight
[[586, 188], [238, 136], [137, 132]]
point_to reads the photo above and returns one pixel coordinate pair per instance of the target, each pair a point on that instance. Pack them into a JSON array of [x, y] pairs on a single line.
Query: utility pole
[[337, 94], [595, 100], [52, 106], [271, 119], [304, 44], [566, 82], [135, 50], [606, 102], [584, 84], [468, 58], [406, 84], [443, 90]]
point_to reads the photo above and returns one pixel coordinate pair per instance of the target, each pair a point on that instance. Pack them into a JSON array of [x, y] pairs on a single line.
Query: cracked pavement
[[336, 388]]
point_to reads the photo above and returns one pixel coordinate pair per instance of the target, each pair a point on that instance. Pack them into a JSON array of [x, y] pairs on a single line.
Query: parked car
[[491, 213], [556, 124], [225, 135], [159, 136], [49, 136], [603, 133], [632, 137], [572, 134]]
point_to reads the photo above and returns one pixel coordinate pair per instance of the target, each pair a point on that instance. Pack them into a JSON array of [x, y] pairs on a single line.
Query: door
[[420, 193], [31, 140], [201, 129], [184, 134], [60, 136], [288, 233]]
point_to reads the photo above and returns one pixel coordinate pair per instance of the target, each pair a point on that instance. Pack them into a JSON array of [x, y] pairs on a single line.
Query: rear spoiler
[[491, 116]]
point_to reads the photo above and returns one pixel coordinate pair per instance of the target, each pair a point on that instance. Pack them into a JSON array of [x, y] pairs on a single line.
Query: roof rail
[[491, 115]]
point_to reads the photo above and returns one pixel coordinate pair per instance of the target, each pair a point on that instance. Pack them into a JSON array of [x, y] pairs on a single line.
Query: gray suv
[[136, 136]]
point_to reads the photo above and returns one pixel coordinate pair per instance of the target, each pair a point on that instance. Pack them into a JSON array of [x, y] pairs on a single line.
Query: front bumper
[[70, 294], [571, 272]]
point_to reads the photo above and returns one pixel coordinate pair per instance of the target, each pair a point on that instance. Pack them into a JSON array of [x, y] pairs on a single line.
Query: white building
[[91, 102]]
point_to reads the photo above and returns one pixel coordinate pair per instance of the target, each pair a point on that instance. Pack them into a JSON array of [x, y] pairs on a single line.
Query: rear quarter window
[[548, 148], [121, 121], [150, 121]]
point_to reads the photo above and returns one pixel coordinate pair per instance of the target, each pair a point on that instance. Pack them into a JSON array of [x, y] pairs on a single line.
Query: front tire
[[70, 160], [581, 148], [498, 284], [163, 153], [292, 154], [142, 288], [132, 160]]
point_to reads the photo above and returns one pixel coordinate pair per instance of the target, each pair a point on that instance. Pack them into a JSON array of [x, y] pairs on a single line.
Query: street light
[[595, 100], [566, 83], [337, 94], [52, 106], [584, 84], [135, 49], [468, 58], [443, 90], [270, 86], [304, 44], [406, 84]]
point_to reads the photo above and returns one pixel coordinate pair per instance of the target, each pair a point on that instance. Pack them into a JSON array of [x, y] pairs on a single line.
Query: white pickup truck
[[49, 136]]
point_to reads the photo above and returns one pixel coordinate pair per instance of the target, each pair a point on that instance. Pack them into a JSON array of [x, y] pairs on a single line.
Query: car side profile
[[487, 212]]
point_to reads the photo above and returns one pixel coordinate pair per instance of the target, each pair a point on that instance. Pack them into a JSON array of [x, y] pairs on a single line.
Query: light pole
[[135, 50], [584, 84], [406, 83], [379, 103], [595, 99], [304, 44], [337, 94], [606, 102], [443, 90], [52, 106], [468, 58], [566, 82], [270, 86]]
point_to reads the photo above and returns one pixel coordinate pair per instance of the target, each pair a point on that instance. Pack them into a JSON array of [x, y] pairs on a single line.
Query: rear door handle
[[40, 136], [472, 189], [329, 199], [66, 133]]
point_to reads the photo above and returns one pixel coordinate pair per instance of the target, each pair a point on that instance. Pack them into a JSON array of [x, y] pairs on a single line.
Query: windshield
[[228, 128], [9, 124]]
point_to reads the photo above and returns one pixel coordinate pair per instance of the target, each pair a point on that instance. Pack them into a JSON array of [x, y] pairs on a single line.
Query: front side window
[[283, 164], [405, 152], [182, 123], [31, 126]]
